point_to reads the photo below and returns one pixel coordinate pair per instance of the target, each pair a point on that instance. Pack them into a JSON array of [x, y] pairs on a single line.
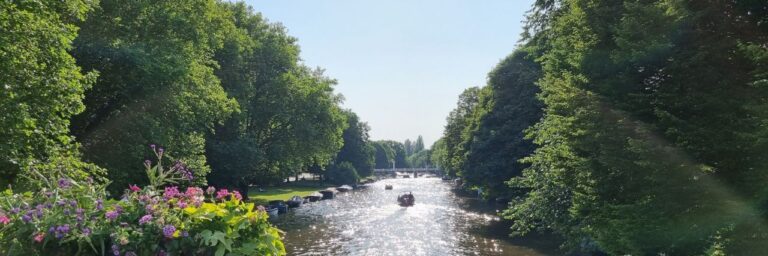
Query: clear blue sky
[[401, 64]]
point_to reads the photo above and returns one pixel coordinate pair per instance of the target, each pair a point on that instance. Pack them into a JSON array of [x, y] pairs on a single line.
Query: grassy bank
[[286, 191]]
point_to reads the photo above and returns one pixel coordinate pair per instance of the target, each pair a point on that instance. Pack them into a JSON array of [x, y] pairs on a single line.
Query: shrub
[[343, 173], [73, 218]]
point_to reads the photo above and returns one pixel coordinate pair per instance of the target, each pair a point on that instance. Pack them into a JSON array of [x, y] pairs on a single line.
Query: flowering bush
[[73, 218]]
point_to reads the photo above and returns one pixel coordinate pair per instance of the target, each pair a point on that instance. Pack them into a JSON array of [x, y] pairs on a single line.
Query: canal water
[[369, 222]]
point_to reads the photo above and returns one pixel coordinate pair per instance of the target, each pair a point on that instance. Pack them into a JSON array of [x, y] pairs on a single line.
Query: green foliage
[[420, 159], [494, 141], [41, 85], [454, 135], [356, 149], [383, 155], [399, 155], [652, 139], [289, 116], [343, 173], [156, 83], [438, 154]]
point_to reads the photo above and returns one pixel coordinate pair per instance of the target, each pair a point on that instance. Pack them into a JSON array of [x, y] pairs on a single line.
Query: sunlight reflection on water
[[369, 222]]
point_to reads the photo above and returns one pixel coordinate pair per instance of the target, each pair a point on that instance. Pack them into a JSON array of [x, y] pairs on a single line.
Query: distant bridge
[[406, 170]]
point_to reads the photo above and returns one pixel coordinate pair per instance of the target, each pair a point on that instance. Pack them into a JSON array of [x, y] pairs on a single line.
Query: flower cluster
[[157, 219]]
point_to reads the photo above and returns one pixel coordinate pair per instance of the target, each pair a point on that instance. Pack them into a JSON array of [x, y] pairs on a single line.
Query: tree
[[422, 159], [438, 154], [419, 145], [496, 141], [356, 149], [408, 145], [383, 155], [156, 84], [42, 85], [457, 122], [289, 117], [650, 140], [343, 173]]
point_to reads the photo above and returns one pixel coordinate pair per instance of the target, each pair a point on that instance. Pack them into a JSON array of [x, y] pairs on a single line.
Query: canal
[[369, 222]]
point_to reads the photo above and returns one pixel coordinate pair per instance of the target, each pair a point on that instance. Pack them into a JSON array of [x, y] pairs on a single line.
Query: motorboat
[[388, 187], [295, 201], [314, 197], [281, 206], [406, 200], [344, 188]]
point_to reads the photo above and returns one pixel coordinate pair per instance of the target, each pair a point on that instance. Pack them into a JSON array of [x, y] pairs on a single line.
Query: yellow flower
[[176, 234]]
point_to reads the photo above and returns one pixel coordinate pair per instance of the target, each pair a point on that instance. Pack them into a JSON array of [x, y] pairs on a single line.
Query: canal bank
[[369, 222]]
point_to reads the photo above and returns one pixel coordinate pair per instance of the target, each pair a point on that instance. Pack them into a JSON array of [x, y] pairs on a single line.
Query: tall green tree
[[289, 117], [418, 145], [156, 83], [496, 142], [42, 87], [357, 149], [457, 121], [383, 155], [651, 137]]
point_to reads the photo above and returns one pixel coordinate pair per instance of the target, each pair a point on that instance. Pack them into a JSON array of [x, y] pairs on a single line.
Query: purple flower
[[152, 146], [73, 203], [64, 183], [161, 253], [168, 231], [26, 218], [86, 231], [184, 233], [115, 249], [144, 219], [63, 228], [79, 211], [15, 210], [171, 192], [111, 215], [99, 205], [51, 230], [210, 190], [160, 150], [181, 205]]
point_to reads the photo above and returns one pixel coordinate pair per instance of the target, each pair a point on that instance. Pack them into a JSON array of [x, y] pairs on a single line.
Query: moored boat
[[280, 205], [272, 211], [344, 188], [327, 194], [295, 201], [314, 197]]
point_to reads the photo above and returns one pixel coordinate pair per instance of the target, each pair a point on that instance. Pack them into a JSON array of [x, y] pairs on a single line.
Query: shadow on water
[[369, 222]]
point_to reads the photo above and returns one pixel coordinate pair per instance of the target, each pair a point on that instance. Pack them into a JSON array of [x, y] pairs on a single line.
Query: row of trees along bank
[[402, 154], [89, 86], [626, 127]]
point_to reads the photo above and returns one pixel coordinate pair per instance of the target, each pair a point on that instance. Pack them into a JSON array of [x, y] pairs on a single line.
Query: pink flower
[[134, 188], [193, 192], [237, 195], [39, 237], [222, 193], [210, 190], [4, 219]]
